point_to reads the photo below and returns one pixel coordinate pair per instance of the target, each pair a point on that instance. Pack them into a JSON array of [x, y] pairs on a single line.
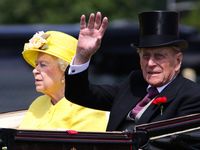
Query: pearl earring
[[62, 81]]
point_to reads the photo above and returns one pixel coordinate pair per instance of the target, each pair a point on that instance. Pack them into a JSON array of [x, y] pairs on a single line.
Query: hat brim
[[182, 44], [149, 41], [30, 56]]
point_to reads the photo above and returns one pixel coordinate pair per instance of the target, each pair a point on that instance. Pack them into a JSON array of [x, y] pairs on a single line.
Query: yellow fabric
[[64, 115], [58, 44]]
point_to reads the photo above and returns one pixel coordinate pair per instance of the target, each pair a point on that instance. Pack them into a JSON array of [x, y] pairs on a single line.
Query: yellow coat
[[63, 115]]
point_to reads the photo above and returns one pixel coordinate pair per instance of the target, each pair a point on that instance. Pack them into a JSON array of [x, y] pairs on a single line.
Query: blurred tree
[[192, 17], [69, 11]]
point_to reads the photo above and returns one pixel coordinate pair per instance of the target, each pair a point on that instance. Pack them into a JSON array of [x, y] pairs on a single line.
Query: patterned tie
[[152, 92]]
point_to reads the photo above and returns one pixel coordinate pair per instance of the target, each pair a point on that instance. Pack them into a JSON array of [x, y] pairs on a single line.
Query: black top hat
[[159, 28]]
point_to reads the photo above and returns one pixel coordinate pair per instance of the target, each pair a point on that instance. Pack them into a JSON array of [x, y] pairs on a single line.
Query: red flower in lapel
[[160, 101]]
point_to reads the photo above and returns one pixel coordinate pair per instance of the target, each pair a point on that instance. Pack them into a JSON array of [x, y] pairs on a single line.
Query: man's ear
[[179, 60]]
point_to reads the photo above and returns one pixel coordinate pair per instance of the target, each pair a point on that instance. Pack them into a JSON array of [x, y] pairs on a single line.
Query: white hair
[[62, 64]]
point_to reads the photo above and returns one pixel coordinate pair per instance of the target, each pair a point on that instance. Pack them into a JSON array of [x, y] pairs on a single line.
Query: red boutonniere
[[160, 101]]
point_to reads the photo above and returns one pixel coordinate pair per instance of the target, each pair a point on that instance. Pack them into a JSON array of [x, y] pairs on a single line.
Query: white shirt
[[74, 69]]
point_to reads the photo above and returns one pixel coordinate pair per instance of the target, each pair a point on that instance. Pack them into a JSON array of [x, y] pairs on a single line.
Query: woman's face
[[48, 75]]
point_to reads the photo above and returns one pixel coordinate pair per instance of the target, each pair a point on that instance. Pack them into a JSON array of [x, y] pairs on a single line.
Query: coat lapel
[[169, 92], [133, 91], [121, 109]]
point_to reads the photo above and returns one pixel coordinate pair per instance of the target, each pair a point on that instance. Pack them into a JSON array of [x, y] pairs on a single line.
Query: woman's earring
[[62, 81]]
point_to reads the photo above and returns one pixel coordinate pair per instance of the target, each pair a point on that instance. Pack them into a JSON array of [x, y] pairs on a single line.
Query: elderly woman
[[50, 53]]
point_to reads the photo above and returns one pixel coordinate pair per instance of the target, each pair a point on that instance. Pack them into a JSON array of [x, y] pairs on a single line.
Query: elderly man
[[155, 93]]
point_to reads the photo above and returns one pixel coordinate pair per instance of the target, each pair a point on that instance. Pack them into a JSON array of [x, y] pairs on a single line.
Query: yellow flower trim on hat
[[38, 41], [55, 43]]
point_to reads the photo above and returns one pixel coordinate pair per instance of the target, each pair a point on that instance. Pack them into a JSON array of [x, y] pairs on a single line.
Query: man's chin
[[155, 83]]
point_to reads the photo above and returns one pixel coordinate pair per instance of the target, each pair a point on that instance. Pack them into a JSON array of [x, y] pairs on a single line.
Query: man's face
[[159, 65]]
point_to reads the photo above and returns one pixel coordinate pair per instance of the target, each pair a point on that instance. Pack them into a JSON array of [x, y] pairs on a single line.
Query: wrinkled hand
[[90, 36]]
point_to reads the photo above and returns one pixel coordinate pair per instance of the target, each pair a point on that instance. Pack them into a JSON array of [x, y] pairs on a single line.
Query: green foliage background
[[192, 18], [69, 11]]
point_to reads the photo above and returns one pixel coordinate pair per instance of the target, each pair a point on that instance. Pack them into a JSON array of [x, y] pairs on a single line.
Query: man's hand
[[90, 37]]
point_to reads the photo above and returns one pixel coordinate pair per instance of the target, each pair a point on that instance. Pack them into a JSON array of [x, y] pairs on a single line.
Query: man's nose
[[151, 61]]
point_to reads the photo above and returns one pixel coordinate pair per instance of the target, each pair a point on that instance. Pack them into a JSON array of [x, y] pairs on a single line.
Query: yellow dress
[[63, 115]]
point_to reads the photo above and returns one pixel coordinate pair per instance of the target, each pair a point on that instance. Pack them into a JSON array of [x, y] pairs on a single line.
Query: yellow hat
[[55, 43]]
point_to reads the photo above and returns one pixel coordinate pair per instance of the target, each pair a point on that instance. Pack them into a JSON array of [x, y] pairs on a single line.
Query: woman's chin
[[38, 89]]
